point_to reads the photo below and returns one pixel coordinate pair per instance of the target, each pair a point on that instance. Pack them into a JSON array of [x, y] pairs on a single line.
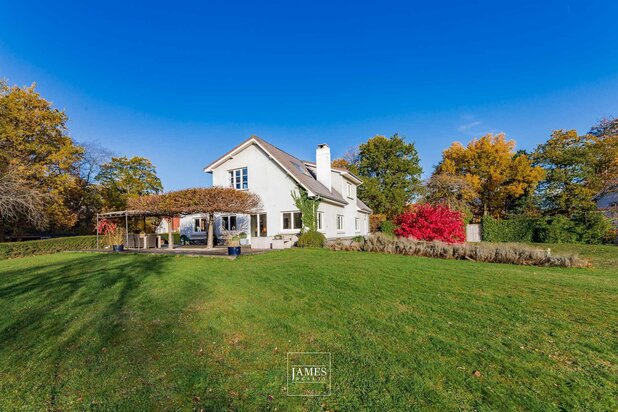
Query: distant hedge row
[[46, 246], [591, 228]]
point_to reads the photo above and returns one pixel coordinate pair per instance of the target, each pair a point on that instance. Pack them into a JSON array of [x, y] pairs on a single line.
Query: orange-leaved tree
[[493, 170], [197, 200]]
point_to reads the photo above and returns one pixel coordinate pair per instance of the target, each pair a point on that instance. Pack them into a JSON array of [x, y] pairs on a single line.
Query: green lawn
[[134, 332]]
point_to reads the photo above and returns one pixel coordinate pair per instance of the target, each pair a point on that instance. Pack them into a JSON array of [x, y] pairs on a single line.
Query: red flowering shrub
[[106, 227], [429, 222]]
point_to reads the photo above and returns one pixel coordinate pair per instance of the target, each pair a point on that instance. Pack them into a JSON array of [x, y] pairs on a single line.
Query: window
[[228, 222], [320, 219], [199, 225], [339, 222], [239, 178], [349, 190], [292, 220], [357, 224]]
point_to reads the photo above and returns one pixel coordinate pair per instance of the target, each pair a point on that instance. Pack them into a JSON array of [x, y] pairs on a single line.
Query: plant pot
[[233, 250], [118, 248]]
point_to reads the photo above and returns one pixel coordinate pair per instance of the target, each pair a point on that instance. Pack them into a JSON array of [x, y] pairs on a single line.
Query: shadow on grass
[[52, 307]]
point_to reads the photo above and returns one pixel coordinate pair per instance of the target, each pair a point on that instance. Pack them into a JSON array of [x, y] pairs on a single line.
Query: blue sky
[[181, 83]]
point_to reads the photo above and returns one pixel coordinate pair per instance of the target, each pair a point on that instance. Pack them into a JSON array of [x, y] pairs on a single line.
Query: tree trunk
[[1, 231], [211, 230], [170, 233]]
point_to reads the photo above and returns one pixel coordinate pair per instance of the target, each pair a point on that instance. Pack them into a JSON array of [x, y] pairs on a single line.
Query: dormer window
[[349, 190], [239, 179]]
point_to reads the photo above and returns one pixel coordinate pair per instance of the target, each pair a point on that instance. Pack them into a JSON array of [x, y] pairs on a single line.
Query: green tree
[[391, 174], [34, 142], [122, 178], [577, 169]]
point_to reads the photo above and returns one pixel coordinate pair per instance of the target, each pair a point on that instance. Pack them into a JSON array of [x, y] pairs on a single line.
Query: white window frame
[[229, 221], [349, 191], [319, 224], [340, 223], [197, 224], [357, 224], [292, 220], [238, 178]]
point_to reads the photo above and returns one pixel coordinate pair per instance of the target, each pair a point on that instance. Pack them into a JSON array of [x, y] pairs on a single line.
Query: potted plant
[[117, 238], [114, 235], [243, 238], [232, 241]]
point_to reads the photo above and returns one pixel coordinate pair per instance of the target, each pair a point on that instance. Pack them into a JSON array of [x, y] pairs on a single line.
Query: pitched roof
[[295, 167], [342, 171], [362, 206]]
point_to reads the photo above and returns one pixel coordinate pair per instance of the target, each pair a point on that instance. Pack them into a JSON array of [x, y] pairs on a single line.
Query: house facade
[[273, 174]]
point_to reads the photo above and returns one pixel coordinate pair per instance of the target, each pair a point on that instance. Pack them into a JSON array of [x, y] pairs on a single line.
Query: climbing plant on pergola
[[198, 200]]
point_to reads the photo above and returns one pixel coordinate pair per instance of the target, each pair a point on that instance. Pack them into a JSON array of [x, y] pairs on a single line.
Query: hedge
[[47, 246], [511, 230], [590, 228]]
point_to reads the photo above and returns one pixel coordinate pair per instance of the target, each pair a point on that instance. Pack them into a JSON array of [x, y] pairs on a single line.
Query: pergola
[[126, 213], [189, 201]]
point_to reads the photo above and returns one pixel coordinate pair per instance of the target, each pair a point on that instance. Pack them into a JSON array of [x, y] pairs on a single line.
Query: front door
[[258, 225]]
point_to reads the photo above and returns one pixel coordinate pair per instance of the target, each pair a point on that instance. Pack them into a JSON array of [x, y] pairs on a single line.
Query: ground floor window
[[200, 225], [357, 224], [339, 222], [292, 220], [320, 219], [228, 222]]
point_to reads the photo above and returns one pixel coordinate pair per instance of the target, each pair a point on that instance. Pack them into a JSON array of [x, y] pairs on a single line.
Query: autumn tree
[[35, 141], [452, 191], [198, 200], [577, 169], [391, 174], [122, 179], [496, 174], [20, 201]]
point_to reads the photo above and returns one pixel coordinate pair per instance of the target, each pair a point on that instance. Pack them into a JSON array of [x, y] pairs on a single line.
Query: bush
[[311, 239], [388, 228], [46, 246], [521, 229], [431, 222], [513, 254]]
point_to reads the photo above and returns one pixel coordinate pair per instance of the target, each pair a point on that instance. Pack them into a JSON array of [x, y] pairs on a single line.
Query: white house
[[273, 174]]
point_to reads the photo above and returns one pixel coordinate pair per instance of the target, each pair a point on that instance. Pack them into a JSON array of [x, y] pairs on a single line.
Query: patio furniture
[[151, 240], [132, 241]]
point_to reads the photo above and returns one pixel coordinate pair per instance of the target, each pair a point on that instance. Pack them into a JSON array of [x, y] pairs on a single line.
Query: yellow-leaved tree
[[495, 173]]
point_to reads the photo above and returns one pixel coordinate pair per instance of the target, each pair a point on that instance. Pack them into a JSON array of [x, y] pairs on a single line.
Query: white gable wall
[[265, 178]]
